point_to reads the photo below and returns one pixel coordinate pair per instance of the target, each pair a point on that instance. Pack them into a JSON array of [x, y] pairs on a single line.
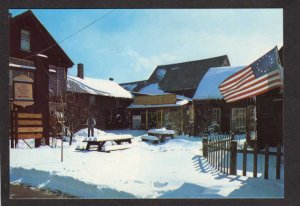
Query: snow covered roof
[[179, 76], [133, 86], [177, 104], [209, 85], [97, 87]]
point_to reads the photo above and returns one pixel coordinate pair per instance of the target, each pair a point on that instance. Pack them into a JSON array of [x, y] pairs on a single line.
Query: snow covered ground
[[173, 169]]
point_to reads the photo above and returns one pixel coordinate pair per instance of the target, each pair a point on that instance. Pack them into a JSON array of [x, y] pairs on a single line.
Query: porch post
[[146, 119], [161, 118], [181, 120]]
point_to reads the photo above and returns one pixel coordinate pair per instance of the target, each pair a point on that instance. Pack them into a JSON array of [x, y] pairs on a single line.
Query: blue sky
[[127, 44]]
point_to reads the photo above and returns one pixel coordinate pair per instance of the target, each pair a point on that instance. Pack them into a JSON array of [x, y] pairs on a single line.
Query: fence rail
[[221, 152]]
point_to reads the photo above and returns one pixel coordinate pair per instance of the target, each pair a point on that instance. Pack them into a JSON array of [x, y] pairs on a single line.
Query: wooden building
[[167, 110], [210, 107], [270, 115], [178, 83], [105, 100], [37, 68]]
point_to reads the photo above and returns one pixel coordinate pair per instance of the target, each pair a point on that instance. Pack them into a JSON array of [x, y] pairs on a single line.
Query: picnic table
[[100, 141], [161, 133]]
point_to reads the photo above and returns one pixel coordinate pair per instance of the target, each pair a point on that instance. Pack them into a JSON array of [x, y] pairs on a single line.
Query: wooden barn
[[37, 69], [210, 107], [103, 99]]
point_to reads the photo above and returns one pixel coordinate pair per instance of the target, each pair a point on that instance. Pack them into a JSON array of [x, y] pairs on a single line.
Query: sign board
[[136, 121], [23, 91], [155, 99]]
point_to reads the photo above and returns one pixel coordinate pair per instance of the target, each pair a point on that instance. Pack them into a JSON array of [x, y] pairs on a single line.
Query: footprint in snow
[[160, 184]]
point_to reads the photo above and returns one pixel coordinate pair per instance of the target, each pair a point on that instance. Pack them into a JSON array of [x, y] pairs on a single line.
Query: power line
[[71, 35]]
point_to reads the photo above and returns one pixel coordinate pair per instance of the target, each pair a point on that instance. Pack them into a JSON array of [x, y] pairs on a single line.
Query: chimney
[[80, 70], [111, 79]]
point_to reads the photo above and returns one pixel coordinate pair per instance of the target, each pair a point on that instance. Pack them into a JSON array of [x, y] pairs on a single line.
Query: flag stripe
[[247, 79], [250, 84], [258, 92], [237, 81], [256, 87], [233, 78]]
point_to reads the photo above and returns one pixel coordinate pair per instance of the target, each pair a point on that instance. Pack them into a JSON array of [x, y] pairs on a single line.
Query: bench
[[100, 141], [108, 148], [150, 138]]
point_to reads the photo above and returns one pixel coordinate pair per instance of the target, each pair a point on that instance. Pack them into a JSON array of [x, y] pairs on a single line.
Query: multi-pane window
[[216, 115], [25, 40], [238, 119]]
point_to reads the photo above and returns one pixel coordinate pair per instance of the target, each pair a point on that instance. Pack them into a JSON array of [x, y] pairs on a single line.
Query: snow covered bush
[[214, 127]]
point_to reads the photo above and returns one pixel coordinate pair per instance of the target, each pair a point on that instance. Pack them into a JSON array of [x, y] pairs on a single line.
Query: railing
[[221, 153]]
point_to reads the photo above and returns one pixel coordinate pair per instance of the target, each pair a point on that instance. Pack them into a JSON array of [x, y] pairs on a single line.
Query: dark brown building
[[105, 100], [35, 58], [210, 108]]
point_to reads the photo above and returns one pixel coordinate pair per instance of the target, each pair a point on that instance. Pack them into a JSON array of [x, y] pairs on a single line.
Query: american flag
[[261, 76]]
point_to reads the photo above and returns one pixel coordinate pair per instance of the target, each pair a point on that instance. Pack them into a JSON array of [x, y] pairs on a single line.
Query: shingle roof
[[186, 75]]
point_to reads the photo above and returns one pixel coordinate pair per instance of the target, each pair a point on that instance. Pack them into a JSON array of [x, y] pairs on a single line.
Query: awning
[[179, 103]]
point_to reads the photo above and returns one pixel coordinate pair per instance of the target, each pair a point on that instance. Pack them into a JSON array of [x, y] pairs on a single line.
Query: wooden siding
[[270, 118], [203, 113]]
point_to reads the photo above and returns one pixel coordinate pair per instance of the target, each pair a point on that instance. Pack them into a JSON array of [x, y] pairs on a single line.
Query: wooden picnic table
[[162, 134], [102, 140]]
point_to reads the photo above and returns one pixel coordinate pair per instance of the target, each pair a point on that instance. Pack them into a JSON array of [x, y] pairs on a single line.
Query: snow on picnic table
[[173, 169]]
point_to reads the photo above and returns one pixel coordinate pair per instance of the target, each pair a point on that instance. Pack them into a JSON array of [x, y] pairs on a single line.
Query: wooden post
[[233, 157], [157, 119], [222, 156], [218, 155], [181, 120], [16, 130], [227, 157], [278, 157], [13, 129], [146, 119], [245, 160], [161, 118], [266, 162], [255, 160], [204, 147]]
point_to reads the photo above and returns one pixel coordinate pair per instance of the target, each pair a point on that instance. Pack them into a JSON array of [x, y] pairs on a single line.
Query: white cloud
[[141, 63]]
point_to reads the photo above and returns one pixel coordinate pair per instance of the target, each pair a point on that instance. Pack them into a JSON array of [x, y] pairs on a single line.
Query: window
[[25, 40], [216, 115], [92, 100], [238, 120]]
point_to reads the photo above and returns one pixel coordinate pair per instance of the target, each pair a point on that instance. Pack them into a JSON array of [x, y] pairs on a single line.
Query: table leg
[[88, 146]]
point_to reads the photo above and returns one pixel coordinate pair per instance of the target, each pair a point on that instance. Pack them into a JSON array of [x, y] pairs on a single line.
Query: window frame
[[216, 112], [25, 39], [240, 121]]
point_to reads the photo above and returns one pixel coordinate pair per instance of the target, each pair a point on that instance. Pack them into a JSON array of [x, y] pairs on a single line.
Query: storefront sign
[[155, 99], [23, 91]]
